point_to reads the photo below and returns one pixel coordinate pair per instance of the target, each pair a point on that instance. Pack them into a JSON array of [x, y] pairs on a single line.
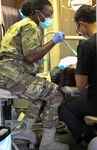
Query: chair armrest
[[70, 90], [91, 118]]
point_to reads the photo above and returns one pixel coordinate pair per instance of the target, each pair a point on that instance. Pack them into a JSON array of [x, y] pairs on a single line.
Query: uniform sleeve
[[84, 59], [31, 39]]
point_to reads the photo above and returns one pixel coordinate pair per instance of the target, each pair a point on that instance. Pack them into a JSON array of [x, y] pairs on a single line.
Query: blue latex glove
[[58, 37]]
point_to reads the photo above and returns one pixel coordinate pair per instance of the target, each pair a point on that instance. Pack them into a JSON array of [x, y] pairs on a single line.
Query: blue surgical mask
[[46, 23]]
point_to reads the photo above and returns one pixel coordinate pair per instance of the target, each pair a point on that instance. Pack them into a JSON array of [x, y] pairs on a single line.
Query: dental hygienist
[[20, 51]]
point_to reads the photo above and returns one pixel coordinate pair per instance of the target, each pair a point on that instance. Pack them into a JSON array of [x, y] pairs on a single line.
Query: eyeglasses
[[46, 14]]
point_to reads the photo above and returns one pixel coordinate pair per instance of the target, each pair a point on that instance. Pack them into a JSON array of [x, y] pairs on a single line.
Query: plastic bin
[[5, 138]]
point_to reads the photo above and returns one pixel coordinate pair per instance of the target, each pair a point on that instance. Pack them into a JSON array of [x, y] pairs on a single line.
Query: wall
[[93, 2], [8, 3], [12, 3], [18, 3], [10, 13], [68, 26]]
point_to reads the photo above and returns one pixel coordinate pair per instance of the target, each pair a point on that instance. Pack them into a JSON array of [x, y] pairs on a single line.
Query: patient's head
[[67, 77]]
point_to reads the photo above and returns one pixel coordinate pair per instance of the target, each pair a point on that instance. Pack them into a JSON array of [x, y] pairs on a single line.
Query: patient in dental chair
[[67, 83], [65, 67], [64, 76], [67, 77]]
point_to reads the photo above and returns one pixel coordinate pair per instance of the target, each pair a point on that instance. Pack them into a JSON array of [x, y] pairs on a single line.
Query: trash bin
[[5, 138]]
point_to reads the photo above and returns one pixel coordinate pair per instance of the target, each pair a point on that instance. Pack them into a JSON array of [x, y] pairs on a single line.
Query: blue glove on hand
[[58, 37]]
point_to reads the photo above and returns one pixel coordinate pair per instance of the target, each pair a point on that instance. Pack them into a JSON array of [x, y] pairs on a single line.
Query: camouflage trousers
[[37, 90]]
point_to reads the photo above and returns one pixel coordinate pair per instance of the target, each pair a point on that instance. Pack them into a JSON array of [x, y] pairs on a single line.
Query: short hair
[[67, 77], [30, 6], [85, 13]]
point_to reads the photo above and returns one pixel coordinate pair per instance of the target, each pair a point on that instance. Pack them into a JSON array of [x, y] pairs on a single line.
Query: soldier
[[20, 52]]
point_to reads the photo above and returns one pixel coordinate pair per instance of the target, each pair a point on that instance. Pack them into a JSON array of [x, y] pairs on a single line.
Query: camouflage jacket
[[21, 39]]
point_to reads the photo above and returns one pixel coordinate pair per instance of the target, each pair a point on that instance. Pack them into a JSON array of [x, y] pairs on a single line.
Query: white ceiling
[[75, 4]]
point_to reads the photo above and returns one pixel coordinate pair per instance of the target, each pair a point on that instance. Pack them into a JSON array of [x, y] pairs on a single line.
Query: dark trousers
[[72, 112]]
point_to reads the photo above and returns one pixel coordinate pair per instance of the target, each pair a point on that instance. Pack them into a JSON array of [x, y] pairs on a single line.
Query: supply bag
[[5, 138]]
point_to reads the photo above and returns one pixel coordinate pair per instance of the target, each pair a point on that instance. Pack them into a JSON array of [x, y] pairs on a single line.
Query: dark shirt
[[87, 63]]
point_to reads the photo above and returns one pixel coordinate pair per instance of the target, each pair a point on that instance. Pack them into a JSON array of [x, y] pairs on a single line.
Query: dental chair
[[70, 91], [91, 119]]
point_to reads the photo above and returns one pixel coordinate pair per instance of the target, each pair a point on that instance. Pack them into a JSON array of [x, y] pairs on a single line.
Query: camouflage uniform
[[20, 78]]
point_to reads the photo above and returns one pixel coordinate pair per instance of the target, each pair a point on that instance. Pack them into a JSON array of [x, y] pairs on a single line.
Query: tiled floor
[[65, 138], [63, 135]]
